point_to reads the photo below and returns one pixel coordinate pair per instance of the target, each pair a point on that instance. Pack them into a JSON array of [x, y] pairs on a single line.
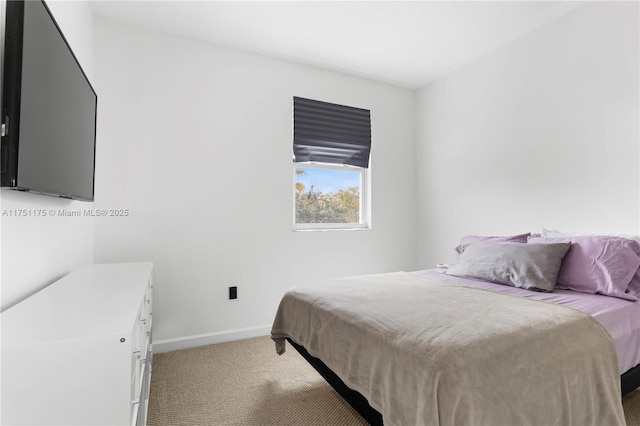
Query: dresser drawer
[[141, 355], [135, 413]]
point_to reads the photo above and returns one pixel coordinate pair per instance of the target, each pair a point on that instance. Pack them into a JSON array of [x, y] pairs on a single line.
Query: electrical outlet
[[233, 292]]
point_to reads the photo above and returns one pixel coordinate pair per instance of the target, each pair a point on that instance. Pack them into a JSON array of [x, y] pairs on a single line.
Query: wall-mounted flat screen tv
[[48, 108]]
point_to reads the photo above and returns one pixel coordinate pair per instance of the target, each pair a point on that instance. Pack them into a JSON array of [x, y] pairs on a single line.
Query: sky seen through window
[[327, 180]]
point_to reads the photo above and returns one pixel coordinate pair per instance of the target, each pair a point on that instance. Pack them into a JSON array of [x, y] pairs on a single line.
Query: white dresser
[[79, 351]]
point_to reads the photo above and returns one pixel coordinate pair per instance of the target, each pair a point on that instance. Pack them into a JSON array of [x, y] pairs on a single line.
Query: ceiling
[[406, 43]]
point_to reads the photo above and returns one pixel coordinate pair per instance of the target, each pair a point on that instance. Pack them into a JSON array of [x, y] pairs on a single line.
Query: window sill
[[353, 228]]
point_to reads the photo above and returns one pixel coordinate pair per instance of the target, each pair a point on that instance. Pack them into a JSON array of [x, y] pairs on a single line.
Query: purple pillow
[[597, 264], [468, 239], [634, 286]]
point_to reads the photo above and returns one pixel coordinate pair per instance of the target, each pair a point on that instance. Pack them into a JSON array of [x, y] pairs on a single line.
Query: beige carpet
[[246, 383]]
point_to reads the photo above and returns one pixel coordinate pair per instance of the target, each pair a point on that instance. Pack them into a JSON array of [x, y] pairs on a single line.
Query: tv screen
[[49, 108]]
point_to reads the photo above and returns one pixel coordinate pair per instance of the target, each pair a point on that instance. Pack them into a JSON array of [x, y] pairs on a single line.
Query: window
[[330, 196], [331, 146]]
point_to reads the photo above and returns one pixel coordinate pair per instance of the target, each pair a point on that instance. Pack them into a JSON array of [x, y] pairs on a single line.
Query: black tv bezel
[[11, 98]]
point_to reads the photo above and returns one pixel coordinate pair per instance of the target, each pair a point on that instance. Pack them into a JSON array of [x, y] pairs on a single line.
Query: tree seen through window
[[327, 195]]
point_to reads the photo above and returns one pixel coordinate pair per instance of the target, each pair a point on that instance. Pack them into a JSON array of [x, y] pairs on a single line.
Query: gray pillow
[[530, 266]]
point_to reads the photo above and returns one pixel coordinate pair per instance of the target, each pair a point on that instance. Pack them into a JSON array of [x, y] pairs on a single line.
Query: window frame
[[365, 199]]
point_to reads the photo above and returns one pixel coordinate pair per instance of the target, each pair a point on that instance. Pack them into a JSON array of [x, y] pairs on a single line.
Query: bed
[[427, 347]]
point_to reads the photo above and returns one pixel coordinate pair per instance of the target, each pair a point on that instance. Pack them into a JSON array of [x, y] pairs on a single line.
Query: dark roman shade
[[330, 133]]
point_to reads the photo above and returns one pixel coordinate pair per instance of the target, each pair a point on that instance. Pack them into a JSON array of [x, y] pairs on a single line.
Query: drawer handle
[[147, 300], [136, 402], [136, 351]]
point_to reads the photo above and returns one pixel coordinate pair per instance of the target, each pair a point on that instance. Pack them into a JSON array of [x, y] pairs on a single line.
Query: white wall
[[196, 143], [543, 132], [38, 250]]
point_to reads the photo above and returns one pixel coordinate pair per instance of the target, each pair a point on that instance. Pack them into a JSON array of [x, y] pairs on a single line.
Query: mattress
[[620, 317]]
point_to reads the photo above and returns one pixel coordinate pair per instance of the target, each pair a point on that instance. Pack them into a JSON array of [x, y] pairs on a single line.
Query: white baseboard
[[168, 345]]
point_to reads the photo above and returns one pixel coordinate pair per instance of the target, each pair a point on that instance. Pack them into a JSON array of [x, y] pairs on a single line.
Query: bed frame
[[355, 399], [629, 381]]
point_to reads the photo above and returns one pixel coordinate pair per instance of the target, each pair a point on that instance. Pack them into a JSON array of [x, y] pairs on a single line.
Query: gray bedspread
[[427, 352]]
